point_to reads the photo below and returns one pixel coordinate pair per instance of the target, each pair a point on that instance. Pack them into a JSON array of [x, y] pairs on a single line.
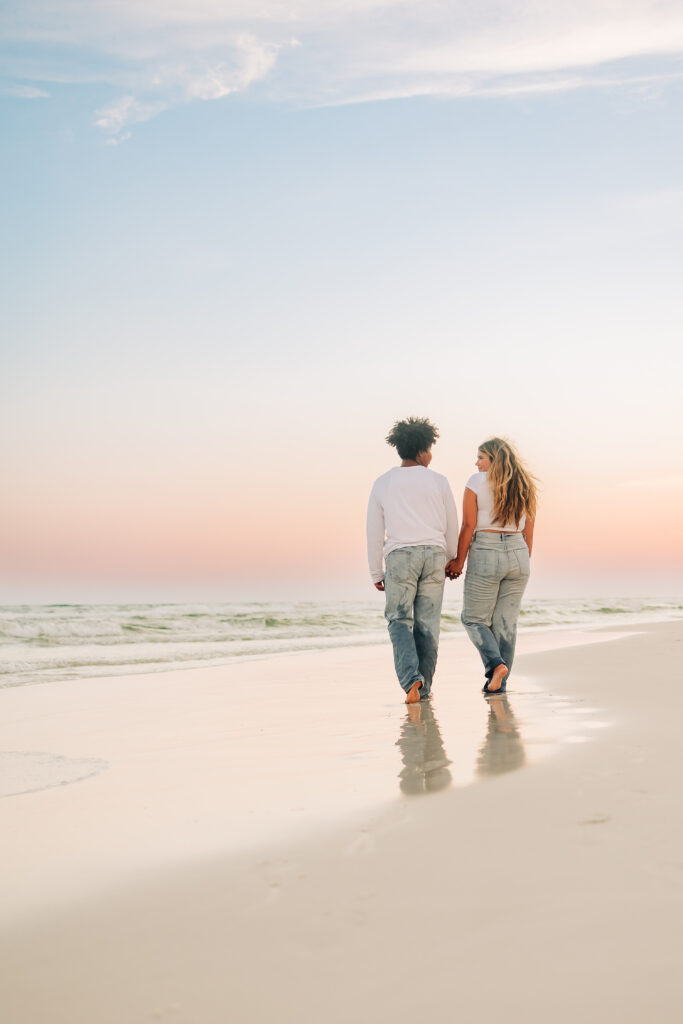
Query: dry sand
[[231, 859]]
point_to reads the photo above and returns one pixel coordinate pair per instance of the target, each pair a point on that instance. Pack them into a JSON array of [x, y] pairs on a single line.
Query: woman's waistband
[[484, 538]]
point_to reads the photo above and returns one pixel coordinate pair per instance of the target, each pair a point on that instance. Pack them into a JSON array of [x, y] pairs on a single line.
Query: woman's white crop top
[[479, 483]]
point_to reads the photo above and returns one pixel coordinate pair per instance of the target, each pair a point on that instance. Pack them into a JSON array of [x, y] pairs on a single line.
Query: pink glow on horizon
[[296, 522]]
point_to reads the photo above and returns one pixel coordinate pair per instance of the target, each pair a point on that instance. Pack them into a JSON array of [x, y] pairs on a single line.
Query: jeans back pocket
[[482, 562], [436, 567]]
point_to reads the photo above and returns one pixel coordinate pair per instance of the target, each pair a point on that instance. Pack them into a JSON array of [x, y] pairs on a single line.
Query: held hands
[[453, 569]]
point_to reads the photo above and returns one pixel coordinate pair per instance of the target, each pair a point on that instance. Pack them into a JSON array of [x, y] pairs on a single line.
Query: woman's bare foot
[[499, 674], [414, 692]]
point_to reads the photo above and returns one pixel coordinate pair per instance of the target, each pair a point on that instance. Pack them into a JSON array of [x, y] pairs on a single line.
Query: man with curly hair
[[412, 530]]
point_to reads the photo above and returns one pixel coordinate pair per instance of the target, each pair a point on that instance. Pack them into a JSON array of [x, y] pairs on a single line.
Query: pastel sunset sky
[[241, 239]]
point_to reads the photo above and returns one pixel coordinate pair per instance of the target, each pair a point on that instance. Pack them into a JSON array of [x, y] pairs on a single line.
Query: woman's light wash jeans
[[496, 577], [414, 582]]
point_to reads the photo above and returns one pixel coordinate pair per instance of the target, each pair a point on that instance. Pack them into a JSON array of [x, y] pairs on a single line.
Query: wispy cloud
[[163, 52], [173, 83], [115, 119], [25, 92]]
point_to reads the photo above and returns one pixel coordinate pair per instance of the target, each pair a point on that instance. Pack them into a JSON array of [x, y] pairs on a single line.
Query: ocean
[[47, 643]]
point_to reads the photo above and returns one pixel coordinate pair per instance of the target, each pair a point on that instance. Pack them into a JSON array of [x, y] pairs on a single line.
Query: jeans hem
[[408, 688]]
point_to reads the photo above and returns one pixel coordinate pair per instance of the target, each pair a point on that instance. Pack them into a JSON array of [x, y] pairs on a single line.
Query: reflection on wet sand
[[502, 749], [425, 761], [425, 764]]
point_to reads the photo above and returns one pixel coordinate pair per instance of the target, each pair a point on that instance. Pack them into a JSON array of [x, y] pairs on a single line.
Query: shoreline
[[43, 671], [588, 835]]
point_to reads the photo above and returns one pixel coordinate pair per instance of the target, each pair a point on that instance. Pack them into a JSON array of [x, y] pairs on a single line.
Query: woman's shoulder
[[476, 482]]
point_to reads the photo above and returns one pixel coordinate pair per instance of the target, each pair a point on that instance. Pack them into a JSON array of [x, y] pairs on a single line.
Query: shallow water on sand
[[461, 736], [455, 740], [301, 765], [144, 771]]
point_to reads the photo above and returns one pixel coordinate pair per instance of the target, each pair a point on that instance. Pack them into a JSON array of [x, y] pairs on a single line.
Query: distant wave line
[[44, 643]]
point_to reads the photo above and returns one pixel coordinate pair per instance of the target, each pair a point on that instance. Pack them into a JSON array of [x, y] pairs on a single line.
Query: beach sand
[[277, 840]]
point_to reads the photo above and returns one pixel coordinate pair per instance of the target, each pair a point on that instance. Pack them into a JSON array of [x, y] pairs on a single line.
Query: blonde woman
[[499, 510]]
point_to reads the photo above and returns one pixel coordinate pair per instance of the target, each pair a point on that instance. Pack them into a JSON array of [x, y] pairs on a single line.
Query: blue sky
[[284, 233]]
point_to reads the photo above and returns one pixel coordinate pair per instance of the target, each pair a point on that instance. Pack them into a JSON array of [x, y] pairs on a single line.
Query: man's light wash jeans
[[496, 577], [414, 582]]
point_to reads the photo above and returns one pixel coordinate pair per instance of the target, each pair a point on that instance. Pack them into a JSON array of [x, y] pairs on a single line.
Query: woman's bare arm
[[528, 533], [470, 511]]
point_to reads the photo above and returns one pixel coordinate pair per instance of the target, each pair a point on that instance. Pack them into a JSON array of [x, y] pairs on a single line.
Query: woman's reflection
[[425, 765], [502, 750]]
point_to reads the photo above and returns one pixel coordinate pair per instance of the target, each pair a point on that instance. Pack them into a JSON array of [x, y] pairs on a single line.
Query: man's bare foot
[[414, 693], [499, 674]]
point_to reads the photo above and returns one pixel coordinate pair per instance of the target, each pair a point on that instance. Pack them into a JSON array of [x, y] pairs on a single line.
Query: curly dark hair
[[411, 436]]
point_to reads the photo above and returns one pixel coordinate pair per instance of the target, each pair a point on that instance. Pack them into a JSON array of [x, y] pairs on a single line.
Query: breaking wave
[[41, 643]]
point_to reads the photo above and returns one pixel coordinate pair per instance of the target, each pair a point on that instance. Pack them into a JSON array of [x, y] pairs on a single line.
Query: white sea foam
[[41, 643]]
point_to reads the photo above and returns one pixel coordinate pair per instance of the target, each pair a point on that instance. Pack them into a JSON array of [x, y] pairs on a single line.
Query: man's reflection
[[502, 750], [425, 765]]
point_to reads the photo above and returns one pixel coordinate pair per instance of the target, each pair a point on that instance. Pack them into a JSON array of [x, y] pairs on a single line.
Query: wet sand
[[327, 857]]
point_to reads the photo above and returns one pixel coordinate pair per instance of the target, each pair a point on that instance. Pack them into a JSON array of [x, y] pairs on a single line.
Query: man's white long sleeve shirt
[[410, 506]]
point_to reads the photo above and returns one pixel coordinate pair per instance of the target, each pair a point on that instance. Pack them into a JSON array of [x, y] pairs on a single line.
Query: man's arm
[[375, 535], [451, 524]]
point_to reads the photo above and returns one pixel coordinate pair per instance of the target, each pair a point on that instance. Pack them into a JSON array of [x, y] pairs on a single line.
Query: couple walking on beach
[[414, 545]]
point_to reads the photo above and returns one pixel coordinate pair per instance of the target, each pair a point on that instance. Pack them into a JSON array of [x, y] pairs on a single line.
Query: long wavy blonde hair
[[514, 487]]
